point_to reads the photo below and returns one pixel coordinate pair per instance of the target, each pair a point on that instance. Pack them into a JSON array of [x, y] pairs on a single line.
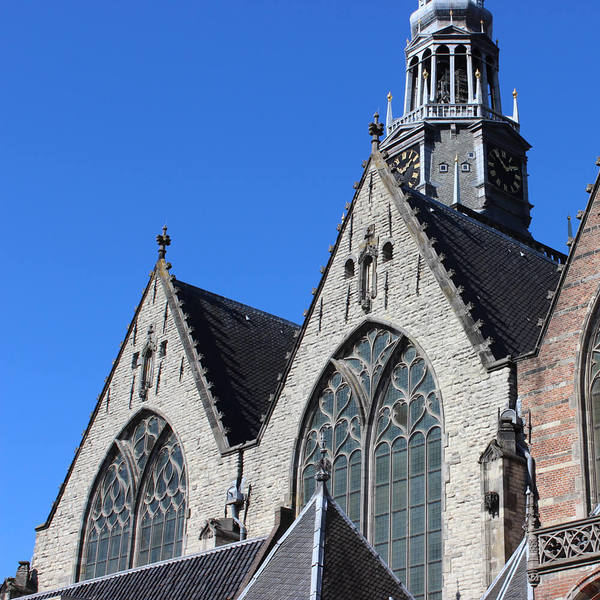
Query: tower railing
[[451, 112]]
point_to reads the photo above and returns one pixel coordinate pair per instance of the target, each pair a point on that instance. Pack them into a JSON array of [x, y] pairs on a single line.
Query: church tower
[[453, 142]]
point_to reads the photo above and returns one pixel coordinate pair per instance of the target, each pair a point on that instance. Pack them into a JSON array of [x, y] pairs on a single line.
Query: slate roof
[[212, 575], [506, 280], [243, 349], [511, 583], [323, 556]]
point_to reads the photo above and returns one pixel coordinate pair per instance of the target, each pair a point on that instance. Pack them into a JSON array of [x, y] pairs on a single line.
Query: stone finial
[[323, 472], [375, 130], [569, 231], [163, 241]]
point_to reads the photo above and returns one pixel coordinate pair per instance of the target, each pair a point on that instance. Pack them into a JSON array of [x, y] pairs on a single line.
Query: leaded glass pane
[[369, 356], [108, 540], [408, 431], [336, 420], [109, 522], [162, 504], [144, 437]]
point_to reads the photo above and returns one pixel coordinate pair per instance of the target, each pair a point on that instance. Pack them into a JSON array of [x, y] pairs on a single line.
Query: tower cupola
[[453, 115], [434, 15]]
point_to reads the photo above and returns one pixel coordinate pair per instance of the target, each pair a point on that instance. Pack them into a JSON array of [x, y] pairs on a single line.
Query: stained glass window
[[146, 462], [337, 420], [110, 520], [162, 506], [382, 373], [407, 480]]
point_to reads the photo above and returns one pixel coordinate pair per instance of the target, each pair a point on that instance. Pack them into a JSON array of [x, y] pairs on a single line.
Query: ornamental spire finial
[[375, 130], [163, 241], [515, 116], [323, 472], [389, 119]]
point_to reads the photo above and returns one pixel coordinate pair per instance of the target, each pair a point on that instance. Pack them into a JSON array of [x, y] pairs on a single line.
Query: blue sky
[[243, 126]]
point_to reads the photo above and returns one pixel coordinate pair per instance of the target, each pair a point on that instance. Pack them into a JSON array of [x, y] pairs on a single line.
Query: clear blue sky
[[243, 125]]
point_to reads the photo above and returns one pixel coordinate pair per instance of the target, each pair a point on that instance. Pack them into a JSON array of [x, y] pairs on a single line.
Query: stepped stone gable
[[418, 307]]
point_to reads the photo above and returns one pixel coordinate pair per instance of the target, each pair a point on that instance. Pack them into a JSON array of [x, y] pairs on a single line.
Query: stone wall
[[413, 304]]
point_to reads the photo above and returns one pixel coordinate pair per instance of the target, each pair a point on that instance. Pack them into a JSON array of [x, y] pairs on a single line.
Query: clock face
[[407, 167], [504, 171]]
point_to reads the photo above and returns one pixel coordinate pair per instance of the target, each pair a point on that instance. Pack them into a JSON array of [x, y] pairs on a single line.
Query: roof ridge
[[277, 546], [240, 304], [475, 220], [78, 584], [507, 570]]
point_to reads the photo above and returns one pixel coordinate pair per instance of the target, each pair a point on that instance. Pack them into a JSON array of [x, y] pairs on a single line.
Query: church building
[[430, 431]]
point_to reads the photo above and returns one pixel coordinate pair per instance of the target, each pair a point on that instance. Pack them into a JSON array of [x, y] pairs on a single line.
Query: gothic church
[[431, 430]]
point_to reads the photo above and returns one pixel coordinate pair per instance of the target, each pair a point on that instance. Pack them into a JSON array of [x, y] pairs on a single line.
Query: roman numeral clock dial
[[406, 167], [504, 171]]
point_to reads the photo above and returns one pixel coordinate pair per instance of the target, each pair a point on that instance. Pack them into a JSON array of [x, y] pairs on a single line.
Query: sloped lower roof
[[507, 281], [323, 556], [511, 583], [243, 350], [212, 575]]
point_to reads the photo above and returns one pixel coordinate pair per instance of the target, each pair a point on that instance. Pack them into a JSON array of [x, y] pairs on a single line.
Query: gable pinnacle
[[163, 241], [375, 130], [323, 472]]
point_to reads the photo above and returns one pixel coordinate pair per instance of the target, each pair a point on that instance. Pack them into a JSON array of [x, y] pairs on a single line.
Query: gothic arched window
[[391, 468], [336, 421], [145, 469], [591, 395], [407, 463]]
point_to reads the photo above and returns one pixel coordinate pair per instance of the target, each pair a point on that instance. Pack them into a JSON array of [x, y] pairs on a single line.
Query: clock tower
[[453, 143]]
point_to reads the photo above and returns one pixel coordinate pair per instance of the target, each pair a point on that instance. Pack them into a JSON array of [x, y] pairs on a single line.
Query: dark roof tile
[[212, 575], [506, 280], [244, 350]]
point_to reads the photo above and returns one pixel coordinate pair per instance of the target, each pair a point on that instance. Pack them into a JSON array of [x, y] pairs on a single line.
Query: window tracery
[[398, 458], [146, 470], [593, 399]]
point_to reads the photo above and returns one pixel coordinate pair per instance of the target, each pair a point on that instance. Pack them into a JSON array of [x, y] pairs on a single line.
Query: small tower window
[[465, 167], [388, 251], [163, 349], [146, 382], [349, 269], [443, 167]]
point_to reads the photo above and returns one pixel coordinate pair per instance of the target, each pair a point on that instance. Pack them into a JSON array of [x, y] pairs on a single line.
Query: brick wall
[[548, 383]]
